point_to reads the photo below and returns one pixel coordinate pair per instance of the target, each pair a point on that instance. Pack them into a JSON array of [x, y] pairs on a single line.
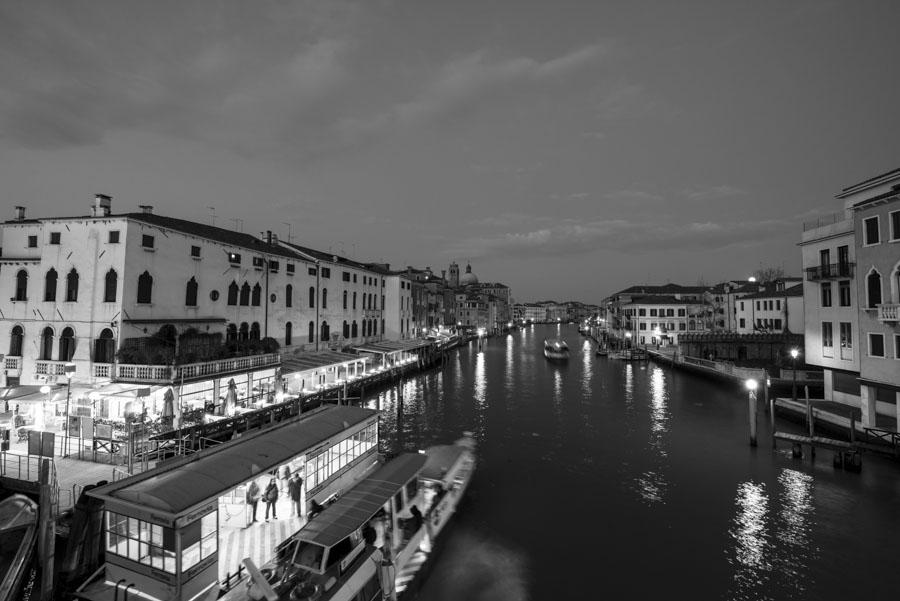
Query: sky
[[567, 149]]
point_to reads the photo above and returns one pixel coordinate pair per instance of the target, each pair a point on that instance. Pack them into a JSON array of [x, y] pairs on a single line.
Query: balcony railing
[[888, 312], [831, 271], [168, 373], [50, 368], [103, 370], [12, 363], [829, 219]]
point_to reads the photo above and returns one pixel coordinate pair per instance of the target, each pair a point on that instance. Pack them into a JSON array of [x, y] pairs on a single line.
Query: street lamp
[[751, 387], [39, 418], [794, 353], [627, 339]]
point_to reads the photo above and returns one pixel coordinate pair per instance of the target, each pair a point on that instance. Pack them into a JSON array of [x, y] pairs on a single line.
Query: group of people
[[291, 484]]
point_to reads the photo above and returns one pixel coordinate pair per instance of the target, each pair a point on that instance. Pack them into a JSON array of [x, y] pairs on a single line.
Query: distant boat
[[602, 351], [556, 350], [18, 534], [631, 354]]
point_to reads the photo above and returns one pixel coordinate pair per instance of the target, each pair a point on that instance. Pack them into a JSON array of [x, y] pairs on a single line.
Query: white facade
[[398, 308], [773, 312]]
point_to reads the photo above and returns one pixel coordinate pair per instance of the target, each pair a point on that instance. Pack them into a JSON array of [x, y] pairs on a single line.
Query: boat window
[[309, 555], [412, 487], [398, 501], [339, 552], [140, 541]]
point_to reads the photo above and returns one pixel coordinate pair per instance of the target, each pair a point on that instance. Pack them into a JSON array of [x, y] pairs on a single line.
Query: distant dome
[[468, 278]]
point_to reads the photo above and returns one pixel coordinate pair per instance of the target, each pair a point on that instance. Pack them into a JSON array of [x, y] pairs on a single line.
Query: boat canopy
[[440, 460], [357, 506]]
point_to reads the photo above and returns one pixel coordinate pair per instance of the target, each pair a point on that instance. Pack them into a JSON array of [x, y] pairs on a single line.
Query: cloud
[[569, 237], [465, 81], [704, 193]]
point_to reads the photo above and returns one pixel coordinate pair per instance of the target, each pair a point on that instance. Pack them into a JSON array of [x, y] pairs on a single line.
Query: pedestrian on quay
[[253, 496], [295, 491], [284, 477], [271, 496]]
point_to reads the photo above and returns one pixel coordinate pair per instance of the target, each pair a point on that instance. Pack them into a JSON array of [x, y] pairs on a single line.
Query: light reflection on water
[[652, 485], [749, 533]]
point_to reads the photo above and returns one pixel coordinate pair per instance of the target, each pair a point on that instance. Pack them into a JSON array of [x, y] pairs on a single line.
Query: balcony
[[888, 312], [163, 374], [12, 365], [102, 370], [832, 271], [50, 368]]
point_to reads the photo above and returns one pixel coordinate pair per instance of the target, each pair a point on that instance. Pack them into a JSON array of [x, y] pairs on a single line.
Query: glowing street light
[[751, 385], [794, 354]]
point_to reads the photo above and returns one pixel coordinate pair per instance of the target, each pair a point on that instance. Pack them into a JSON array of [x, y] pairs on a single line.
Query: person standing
[[284, 477], [271, 496], [253, 496], [295, 491]]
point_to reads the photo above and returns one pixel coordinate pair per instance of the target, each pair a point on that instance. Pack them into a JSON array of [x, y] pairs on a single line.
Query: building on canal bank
[[776, 308], [852, 295]]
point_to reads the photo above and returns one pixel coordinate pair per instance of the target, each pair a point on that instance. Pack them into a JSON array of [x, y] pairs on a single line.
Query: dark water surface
[[600, 479]]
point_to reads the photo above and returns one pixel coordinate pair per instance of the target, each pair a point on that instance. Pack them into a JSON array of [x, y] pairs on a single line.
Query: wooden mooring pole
[[752, 408]]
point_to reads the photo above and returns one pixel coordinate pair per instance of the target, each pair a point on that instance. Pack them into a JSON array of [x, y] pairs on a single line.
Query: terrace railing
[[160, 374], [831, 271]]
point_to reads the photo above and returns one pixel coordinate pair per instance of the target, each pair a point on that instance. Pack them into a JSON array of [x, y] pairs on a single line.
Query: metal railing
[[830, 271], [829, 219], [885, 436]]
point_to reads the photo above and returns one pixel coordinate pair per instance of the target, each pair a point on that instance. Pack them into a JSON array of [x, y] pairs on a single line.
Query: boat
[[18, 534], [556, 350], [602, 351], [631, 354], [373, 541]]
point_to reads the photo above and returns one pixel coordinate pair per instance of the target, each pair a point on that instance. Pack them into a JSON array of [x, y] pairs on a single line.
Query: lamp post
[[41, 412], [794, 353], [70, 371], [751, 388], [627, 340]]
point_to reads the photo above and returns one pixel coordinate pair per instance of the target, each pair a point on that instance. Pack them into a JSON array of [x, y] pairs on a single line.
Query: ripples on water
[[636, 476]]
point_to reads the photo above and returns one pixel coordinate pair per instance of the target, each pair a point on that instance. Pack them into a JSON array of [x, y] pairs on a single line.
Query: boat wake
[[472, 568]]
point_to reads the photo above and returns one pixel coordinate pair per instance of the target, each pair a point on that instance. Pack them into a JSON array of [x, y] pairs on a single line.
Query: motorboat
[[375, 539], [556, 350], [18, 535]]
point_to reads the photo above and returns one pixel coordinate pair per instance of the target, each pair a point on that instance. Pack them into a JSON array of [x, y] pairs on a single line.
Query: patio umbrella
[[279, 382], [230, 399], [176, 410], [168, 409]]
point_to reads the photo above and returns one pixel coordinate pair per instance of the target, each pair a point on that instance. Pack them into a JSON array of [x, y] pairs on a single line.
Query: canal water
[[601, 479]]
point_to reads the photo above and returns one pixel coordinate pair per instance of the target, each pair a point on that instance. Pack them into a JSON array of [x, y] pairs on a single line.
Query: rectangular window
[[670, 312], [289, 268], [742, 305], [258, 262], [147, 241], [54, 237], [826, 294], [681, 312], [32, 241], [743, 323], [844, 293], [876, 345], [894, 217], [312, 271], [653, 313], [824, 259], [827, 335], [896, 346], [778, 305], [845, 382], [326, 272], [681, 326], [758, 306], [642, 326], [870, 230], [114, 237], [273, 266], [195, 252], [354, 278], [234, 258], [345, 276], [642, 312], [777, 324], [846, 331], [843, 258]]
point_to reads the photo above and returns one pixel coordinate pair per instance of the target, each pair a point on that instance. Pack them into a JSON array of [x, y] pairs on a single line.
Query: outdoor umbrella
[[168, 409], [176, 410], [279, 382], [230, 399]]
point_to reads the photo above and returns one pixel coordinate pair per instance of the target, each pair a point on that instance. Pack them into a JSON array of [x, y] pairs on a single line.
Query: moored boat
[[556, 350], [18, 534], [374, 541]]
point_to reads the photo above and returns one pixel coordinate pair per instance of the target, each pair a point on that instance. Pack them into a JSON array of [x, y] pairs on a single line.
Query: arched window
[[324, 298], [233, 293], [254, 331], [346, 331], [354, 330], [367, 327], [104, 347], [354, 300], [287, 333], [47, 344], [324, 335], [311, 333], [257, 293], [312, 297], [244, 332], [72, 286], [190, 293], [289, 296], [245, 294], [109, 289], [145, 288], [21, 285], [873, 289], [15, 341], [50, 286], [345, 300], [364, 297], [375, 327], [231, 333]]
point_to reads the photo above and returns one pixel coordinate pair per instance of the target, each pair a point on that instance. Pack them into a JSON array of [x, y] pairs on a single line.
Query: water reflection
[[750, 538], [478, 393], [795, 526], [508, 372], [587, 373]]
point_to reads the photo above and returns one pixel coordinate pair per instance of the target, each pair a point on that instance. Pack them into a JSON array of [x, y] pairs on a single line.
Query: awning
[[393, 346], [308, 361]]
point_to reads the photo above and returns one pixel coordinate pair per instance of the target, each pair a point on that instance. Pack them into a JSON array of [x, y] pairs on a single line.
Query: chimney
[[146, 209], [20, 213], [102, 205]]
